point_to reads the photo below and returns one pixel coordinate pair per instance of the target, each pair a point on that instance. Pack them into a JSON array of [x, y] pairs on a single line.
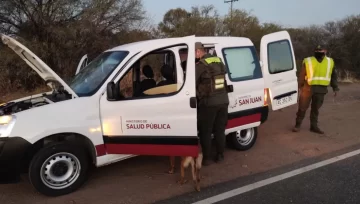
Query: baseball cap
[[199, 45], [320, 48]]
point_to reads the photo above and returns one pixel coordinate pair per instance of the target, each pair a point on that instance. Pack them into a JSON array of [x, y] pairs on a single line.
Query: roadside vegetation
[[61, 31]]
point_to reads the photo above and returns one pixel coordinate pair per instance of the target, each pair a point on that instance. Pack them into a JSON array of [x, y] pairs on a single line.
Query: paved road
[[335, 183]]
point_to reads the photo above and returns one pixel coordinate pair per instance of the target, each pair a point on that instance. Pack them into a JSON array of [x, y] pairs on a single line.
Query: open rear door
[[82, 64], [279, 69]]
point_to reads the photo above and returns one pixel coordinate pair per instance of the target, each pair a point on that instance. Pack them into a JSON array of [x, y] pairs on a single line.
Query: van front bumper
[[12, 150]]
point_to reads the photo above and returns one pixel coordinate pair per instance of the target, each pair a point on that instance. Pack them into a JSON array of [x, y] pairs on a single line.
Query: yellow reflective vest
[[318, 73], [210, 60]]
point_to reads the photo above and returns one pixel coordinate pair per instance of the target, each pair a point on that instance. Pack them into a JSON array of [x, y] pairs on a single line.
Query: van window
[[93, 75], [242, 63], [149, 72], [153, 75], [280, 57]]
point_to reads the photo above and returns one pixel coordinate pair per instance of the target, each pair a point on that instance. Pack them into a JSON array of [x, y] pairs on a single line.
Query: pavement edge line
[[277, 178]]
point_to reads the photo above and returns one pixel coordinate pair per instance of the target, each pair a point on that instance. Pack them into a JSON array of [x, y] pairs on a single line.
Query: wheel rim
[[60, 170], [244, 137]]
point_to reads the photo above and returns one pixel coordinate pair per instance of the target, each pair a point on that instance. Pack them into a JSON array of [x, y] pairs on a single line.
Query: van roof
[[223, 40]]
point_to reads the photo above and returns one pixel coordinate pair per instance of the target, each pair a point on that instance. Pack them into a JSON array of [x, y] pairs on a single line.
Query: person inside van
[[183, 58], [149, 81], [168, 73]]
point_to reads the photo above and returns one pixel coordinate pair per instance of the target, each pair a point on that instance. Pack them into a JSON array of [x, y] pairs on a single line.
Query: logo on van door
[[246, 100], [250, 100], [144, 124]]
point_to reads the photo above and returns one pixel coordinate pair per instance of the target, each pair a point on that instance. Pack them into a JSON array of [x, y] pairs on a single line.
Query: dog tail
[[199, 161]]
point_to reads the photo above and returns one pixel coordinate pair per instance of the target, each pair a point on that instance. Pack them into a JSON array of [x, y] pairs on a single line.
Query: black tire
[[74, 154], [232, 139]]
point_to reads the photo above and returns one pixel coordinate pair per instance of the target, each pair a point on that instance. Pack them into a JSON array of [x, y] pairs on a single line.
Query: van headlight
[[7, 123]]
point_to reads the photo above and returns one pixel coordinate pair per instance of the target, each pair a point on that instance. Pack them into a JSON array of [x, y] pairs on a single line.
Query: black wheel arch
[[76, 138]]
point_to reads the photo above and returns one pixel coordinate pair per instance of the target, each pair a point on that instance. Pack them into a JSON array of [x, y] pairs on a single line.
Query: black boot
[[297, 127], [219, 157], [317, 130], [207, 161]]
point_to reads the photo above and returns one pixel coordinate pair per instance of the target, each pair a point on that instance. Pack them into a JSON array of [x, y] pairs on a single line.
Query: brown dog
[[196, 163]]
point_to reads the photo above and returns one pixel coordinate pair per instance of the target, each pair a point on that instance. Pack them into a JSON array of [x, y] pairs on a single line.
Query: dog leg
[[195, 177], [172, 165], [197, 180], [182, 171], [198, 162]]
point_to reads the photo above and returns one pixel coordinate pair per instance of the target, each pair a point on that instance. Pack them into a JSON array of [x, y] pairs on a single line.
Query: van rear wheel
[[243, 139], [59, 169]]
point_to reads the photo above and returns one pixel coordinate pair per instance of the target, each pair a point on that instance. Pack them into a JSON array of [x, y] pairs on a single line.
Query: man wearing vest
[[316, 75], [213, 101]]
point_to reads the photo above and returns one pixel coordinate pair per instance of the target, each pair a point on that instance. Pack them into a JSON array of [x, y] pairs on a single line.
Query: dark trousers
[[316, 100], [212, 119]]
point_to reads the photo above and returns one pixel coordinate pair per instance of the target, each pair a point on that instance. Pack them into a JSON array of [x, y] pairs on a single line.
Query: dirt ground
[[143, 179]]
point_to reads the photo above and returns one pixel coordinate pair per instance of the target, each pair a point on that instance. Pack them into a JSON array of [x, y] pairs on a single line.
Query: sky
[[295, 13]]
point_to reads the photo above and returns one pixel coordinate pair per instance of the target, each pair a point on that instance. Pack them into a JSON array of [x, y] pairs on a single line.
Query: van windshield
[[91, 77]]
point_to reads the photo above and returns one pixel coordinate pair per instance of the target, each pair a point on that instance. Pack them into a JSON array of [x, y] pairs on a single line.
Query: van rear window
[[280, 57], [242, 63]]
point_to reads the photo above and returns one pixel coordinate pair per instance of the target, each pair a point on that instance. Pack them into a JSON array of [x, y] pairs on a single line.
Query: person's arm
[[334, 82], [301, 77]]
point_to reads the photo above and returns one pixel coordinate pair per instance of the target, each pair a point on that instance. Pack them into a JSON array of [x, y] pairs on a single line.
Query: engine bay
[[32, 102]]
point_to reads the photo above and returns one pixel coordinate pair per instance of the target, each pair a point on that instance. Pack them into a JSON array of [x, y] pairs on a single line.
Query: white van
[[108, 112]]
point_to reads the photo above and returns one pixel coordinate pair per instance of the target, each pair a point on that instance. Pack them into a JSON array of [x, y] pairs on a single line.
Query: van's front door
[[153, 124], [279, 69]]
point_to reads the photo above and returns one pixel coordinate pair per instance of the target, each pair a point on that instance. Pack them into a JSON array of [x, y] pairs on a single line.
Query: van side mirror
[[110, 91]]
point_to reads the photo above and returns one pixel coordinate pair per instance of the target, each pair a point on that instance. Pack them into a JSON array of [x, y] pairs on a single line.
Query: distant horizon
[[288, 13]]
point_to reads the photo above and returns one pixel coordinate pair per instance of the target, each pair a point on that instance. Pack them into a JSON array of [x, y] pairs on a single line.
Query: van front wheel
[[59, 169], [243, 139]]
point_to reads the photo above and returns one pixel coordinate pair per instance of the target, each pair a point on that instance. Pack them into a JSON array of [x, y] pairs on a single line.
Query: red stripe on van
[[153, 150], [244, 120], [166, 149], [100, 150]]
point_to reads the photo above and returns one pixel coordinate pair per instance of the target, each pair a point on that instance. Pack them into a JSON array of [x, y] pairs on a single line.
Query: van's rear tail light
[[266, 97]]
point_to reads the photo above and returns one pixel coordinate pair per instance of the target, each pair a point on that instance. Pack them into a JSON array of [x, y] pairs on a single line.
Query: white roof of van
[[225, 41]]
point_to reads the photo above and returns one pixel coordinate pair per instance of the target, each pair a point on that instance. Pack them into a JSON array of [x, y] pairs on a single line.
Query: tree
[[178, 22], [61, 31], [350, 39]]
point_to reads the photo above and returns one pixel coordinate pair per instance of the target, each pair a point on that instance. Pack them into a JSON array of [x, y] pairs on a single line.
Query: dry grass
[[348, 77], [349, 80]]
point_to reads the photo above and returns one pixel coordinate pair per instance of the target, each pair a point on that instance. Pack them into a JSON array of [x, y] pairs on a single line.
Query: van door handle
[[230, 88], [193, 102]]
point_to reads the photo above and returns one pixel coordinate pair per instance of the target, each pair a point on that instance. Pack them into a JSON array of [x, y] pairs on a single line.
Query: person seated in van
[[148, 82], [183, 66], [183, 57], [168, 73]]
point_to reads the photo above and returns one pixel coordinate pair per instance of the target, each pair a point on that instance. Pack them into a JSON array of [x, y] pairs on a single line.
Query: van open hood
[[36, 64]]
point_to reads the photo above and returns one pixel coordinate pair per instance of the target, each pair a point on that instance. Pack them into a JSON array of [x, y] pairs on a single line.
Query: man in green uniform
[[213, 102], [316, 74]]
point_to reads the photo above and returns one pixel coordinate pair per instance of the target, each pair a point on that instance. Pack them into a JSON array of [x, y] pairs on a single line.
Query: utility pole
[[231, 13]]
